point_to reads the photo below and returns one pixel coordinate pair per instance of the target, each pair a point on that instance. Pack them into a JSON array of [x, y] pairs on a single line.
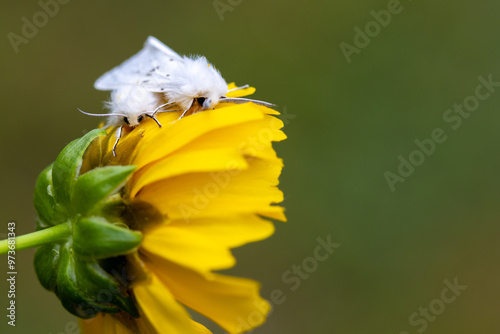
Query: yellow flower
[[203, 185]]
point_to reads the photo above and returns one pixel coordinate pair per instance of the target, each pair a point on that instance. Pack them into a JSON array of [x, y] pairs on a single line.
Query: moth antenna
[[118, 136], [240, 100], [238, 88], [104, 115]]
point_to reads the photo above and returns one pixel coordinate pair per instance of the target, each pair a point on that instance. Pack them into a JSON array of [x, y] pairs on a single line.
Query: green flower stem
[[34, 239]]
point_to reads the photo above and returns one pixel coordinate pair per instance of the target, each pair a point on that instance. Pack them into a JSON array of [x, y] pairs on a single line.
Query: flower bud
[[72, 266]]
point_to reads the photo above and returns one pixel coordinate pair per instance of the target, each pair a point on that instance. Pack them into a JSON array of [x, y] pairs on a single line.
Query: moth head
[[133, 120], [208, 102]]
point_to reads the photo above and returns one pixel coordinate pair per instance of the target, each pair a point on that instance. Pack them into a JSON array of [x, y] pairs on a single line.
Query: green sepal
[[67, 166], [80, 267], [45, 203], [96, 185], [72, 290], [95, 237], [46, 265], [106, 291], [83, 287]]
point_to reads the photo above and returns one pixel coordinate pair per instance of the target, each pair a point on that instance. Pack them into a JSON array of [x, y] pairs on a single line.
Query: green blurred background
[[347, 125]]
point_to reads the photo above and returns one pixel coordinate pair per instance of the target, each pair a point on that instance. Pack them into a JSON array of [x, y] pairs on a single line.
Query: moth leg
[[118, 136], [185, 111], [157, 109], [154, 118]]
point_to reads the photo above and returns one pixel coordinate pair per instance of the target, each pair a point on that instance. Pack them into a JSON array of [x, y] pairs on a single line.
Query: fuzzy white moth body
[[133, 102], [183, 82], [157, 79]]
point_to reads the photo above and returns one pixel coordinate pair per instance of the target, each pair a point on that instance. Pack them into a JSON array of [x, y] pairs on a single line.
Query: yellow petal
[[228, 231], [108, 324], [233, 303], [176, 134], [144, 326], [212, 151], [188, 248], [105, 324], [276, 212], [256, 135], [187, 162], [91, 326], [161, 309], [200, 329], [212, 194], [121, 329]]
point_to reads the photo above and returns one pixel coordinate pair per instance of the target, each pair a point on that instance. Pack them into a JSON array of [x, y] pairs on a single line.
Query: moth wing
[[153, 56], [167, 77], [158, 84], [161, 49]]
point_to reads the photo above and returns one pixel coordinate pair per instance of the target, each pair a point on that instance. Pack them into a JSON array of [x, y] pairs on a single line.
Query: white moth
[[157, 79]]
